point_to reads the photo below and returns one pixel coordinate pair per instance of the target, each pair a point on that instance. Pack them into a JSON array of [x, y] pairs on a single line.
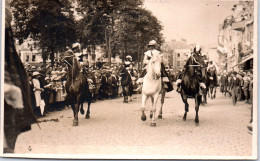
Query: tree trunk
[[125, 50], [52, 58], [109, 50], [44, 58]]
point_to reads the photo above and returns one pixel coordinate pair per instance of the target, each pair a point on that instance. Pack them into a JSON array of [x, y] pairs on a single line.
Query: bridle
[[194, 60], [71, 65], [67, 61]]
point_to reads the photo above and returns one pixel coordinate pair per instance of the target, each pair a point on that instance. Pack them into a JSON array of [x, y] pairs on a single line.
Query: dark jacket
[[234, 82]]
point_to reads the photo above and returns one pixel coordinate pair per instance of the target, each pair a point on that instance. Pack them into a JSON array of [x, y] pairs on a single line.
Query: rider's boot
[[164, 82], [202, 87], [178, 83]]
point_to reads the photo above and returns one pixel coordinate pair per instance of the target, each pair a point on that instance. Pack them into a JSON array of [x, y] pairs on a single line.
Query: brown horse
[[77, 87], [190, 84], [212, 82]]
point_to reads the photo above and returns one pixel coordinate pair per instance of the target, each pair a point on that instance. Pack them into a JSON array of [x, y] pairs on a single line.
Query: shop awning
[[246, 59], [240, 26]]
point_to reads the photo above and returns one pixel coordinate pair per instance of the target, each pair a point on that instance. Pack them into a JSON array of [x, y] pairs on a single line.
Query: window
[[33, 57], [178, 63], [178, 55], [27, 58]]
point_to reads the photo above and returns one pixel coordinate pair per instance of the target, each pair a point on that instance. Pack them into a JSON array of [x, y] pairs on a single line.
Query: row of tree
[[121, 27]]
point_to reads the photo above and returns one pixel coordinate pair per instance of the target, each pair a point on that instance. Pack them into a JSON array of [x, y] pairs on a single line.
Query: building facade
[[29, 52], [179, 51], [235, 40]]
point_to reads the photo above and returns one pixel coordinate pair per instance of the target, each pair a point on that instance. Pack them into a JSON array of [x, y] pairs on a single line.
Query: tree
[[134, 29], [49, 22]]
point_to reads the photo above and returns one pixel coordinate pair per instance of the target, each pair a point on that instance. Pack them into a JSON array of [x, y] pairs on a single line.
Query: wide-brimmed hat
[[35, 73], [127, 62], [152, 43]]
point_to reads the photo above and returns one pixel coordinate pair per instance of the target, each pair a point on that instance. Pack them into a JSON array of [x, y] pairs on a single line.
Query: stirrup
[[140, 80]]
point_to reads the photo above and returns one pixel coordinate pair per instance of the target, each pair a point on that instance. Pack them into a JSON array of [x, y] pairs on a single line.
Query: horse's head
[[199, 60], [120, 69], [67, 58], [154, 66]]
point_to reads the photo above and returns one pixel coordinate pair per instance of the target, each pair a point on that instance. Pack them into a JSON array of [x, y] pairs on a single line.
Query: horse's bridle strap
[[195, 62], [195, 65], [68, 63]]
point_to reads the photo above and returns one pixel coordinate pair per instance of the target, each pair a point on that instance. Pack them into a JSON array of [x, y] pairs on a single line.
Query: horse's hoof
[[153, 124], [197, 120], [184, 118], [143, 118], [87, 117], [159, 116], [125, 101], [151, 116], [82, 111], [75, 123]]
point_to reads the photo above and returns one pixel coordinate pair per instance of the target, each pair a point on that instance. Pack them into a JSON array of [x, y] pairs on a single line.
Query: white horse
[[152, 87]]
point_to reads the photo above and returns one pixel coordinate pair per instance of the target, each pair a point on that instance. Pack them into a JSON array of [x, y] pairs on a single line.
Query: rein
[[70, 65], [195, 65]]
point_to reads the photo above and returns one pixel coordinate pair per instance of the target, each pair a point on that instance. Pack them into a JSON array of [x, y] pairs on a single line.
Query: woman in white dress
[[37, 92]]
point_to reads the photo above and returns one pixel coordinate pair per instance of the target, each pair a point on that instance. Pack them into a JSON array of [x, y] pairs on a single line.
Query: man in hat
[[224, 82], [147, 56], [234, 85]]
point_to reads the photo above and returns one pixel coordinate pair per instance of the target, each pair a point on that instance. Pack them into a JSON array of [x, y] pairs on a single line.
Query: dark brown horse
[[77, 87], [205, 80], [126, 82], [212, 82], [190, 84]]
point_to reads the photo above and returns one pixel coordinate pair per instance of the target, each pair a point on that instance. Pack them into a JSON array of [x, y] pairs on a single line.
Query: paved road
[[116, 128]]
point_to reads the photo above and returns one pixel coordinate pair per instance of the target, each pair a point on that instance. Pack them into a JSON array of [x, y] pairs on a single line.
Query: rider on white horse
[[147, 56], [197, 50]]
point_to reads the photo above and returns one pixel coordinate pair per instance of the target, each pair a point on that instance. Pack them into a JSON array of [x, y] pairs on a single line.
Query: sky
[[195, 20]]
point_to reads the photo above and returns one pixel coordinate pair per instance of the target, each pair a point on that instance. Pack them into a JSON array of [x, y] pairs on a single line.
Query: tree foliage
[[49, 22], [122, 27]]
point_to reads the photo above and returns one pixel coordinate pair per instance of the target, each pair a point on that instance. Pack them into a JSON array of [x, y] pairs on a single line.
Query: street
[[115, 128]]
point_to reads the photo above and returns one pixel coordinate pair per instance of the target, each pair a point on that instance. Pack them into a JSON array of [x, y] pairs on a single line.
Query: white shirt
[[151, 53]]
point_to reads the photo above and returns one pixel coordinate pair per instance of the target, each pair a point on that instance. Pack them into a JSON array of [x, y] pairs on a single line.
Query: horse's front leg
[[125, 94], [215, 91], [162, 102], [185, 100], [73, 108], [151, 111], [156, 96], [197, 103], [89, 102], [76, 119], [144, 99], [81, 108]]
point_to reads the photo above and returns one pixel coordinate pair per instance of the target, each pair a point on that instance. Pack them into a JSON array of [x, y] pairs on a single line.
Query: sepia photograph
[[129, 79]]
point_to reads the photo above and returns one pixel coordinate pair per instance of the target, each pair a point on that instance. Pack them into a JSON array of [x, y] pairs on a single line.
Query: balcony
[[239, 26]]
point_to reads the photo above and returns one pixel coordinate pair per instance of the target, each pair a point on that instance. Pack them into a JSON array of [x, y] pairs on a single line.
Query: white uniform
[[150, 53]]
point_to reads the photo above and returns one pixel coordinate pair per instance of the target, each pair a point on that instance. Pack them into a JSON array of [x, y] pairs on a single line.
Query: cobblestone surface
[[116, 128]]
